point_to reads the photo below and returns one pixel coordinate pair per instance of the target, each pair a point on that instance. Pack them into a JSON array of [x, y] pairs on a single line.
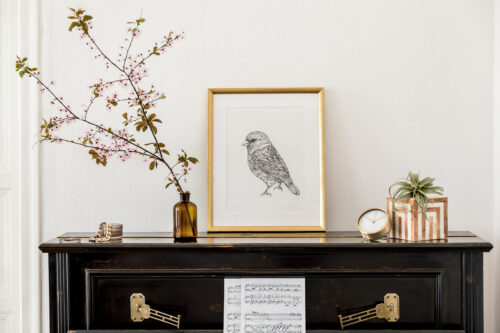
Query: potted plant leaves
[[415, 215]]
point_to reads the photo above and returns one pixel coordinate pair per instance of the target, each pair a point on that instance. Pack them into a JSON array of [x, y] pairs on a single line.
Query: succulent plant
[[414, 188]]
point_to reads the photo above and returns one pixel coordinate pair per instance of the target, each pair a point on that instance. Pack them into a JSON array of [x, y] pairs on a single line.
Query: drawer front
[[198, 297]]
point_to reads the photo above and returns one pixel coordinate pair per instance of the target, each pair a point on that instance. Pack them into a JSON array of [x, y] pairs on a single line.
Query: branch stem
[[149, 153], [160, 157]]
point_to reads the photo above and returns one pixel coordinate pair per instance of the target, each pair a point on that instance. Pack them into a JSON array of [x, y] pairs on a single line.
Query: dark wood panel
[[223, 262], [333, 240], [309, 331], [199, 298], [440, 283]]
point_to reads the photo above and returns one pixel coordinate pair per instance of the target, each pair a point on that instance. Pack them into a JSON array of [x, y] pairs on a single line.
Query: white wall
[[409, 86], [495, 257]]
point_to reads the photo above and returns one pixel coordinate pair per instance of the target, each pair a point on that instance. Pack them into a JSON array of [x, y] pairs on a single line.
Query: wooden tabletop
[[77, 241]]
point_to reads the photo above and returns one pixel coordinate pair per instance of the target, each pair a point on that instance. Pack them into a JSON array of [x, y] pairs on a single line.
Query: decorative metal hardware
[[389, 310], [139, 311]]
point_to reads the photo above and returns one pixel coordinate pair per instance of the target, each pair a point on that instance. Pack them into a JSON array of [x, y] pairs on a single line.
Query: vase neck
[[185, 196]]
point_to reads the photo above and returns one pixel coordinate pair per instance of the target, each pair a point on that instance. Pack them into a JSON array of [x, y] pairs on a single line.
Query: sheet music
[[232, 305], [267, 305]]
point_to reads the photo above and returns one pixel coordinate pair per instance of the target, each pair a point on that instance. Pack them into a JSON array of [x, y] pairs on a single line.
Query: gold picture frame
[[321, 225]]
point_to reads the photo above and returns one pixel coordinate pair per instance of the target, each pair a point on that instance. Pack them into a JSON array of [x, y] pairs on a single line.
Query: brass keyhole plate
[[137, 301], [392, 301]]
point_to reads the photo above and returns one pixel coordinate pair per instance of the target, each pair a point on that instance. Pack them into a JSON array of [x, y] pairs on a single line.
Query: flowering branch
[[103, 141]]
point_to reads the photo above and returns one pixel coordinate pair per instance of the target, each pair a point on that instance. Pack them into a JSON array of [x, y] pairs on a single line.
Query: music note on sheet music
[[232, 305], [259, 305]]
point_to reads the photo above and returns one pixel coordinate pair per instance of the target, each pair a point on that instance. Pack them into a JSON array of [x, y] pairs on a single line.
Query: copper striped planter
[[409, 223]]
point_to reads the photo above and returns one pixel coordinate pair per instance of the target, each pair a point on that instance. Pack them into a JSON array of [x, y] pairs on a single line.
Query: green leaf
[[427, 181], [434, 190], [398, 192], [404, 184], [73, 24], [404, 196], [152, 165], [413, 178], [140, 125], [87, 18], [193, 160], [422, 201]]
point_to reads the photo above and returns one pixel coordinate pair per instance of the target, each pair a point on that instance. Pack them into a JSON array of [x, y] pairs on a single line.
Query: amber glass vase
[[185, 228]]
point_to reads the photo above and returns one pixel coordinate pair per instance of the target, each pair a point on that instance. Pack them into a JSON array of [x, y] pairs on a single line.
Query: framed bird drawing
[[266, 159]]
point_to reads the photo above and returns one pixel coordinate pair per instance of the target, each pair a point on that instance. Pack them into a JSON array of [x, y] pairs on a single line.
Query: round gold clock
[[373, 223]]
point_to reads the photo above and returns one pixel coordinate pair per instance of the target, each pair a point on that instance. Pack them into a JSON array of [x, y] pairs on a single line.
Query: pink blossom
[[109, 143]]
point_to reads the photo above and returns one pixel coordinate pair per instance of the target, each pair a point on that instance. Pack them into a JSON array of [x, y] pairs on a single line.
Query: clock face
[[373, 220]]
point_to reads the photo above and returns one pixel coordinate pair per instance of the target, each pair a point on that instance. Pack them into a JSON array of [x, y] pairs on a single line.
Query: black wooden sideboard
[[439, 283]]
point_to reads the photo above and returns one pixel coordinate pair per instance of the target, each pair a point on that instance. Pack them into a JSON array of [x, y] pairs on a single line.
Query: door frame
[[19, 170]]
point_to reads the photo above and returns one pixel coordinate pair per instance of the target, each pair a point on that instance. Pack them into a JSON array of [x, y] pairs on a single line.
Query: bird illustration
[[266, 163]]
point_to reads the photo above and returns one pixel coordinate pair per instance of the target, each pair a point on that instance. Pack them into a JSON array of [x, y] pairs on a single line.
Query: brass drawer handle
[[389, 310], [139, 311]]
